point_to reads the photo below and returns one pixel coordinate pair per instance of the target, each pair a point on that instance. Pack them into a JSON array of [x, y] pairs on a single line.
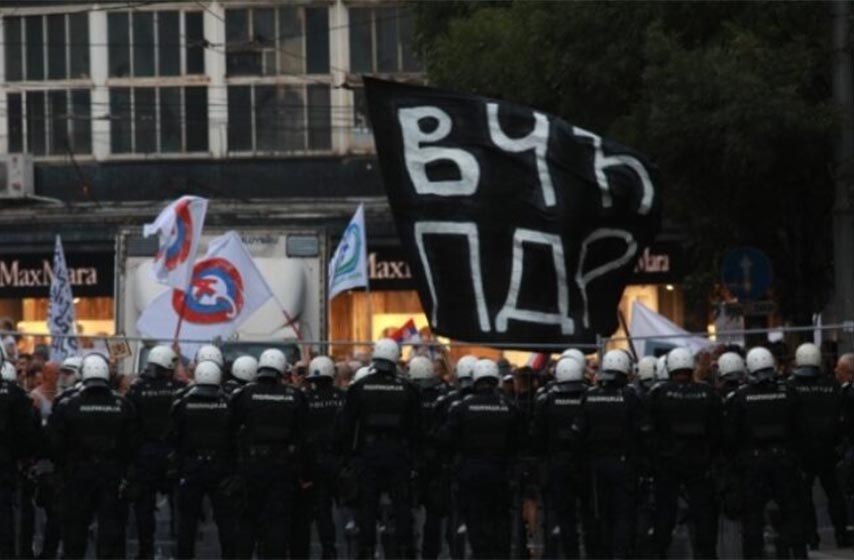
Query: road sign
[[747, 273]]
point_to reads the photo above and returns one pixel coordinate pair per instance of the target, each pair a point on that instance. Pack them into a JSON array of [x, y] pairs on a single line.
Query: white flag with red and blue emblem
[[179, 229], [227, 288]]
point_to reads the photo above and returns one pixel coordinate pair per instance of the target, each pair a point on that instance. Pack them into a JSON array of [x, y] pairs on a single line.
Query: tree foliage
[[731, 100]]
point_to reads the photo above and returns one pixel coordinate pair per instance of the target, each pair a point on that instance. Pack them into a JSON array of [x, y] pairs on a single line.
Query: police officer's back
[[243, 370], [731, 373], [92, 437], [380, 425], [761, 431]]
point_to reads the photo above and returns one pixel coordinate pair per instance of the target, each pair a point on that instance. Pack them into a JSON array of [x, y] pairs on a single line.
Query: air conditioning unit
[[16, 176]]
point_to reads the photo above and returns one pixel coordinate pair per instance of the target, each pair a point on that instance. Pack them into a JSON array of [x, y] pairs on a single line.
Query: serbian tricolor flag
[[407, 333], [179, 229], [537, 361]]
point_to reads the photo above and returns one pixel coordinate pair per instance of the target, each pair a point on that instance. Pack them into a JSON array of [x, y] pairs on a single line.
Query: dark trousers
[[314, 504], [264, 521], [825, 472], [484, 500], [27, 512], [564, 495], [613, 480], [772, 476], [385, 468], [150, 469], [197, 480], [702, 509], [49, 497], [93, 492], [8, 480]]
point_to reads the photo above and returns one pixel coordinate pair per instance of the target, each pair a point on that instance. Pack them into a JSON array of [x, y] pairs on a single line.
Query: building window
[[279, 118], [289, 40], [47, 47], [52, 122], [381, 41], [146, 44], [158, 120]]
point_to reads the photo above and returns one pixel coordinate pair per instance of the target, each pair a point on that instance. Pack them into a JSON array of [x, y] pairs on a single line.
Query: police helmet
[[211, 353], [569, 369], [71, 365], [485, 369], [386, 354], [661, 373], [646, 369], [614, 363], [245, 368], [272, 363], [760, 363], [807, 360], [207, 373], [574, 353], [731, 366], [361, 373], [420, 368], [163, 357], [321, 367], [7, 370], [96, 368], [465, 367], [680, 359]]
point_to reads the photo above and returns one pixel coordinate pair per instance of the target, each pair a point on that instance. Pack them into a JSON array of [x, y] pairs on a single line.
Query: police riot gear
[[164, 357], [420, 368], [361, 373], [485, 369], [381, 424], [680, 359], [272, 362], [386, 350], [243, 370], [210, 353], [463, 370], [321, 367], [269, 418], [615, 363], [646, 371], [760, 364], [808, 355], [207, 373], [569, 370]]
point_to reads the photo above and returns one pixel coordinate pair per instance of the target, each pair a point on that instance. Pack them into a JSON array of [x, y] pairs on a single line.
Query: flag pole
[[370, 310]]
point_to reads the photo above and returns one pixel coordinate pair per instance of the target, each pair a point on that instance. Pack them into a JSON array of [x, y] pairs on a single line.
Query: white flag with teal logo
[[60, 313], [348, 268]]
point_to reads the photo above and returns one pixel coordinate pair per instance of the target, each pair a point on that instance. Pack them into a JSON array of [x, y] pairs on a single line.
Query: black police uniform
[[484, 430], [686, 429], [564, 465], [201, 435], [822, 417], [152, 396], [431, 487], [761, 431], [269, 420], [456, 545], [232, 385], [610, 426], [380, 423], [92, 436], [324, 402]]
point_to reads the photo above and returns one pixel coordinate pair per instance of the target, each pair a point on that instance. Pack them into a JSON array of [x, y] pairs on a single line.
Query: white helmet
[[245, 368], [484, 369], [420, 368], [613, 363], [273, 359], [361, 373], [808, 355], [72, 364], [569, 369], [8, 372], [760, 361], [210, 353], [386, 349], [321, 367], [661, 369], [207, 373], [163, 356], [646, 368], [730, 365], [576, 354], [465, 367], [95, 366], [679, 359]]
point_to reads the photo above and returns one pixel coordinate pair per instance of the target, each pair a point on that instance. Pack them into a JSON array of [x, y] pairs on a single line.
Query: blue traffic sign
[[747, 273]]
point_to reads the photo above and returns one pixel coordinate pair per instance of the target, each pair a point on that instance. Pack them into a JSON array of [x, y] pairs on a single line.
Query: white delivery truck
[[291, 261]]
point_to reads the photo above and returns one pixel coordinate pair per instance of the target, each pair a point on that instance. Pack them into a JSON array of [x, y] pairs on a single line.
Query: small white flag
[[227, 288], [60, 315], [349, 265], [179, 228]]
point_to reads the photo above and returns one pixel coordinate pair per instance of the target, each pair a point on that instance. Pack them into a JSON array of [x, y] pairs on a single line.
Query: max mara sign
[[91, 274]]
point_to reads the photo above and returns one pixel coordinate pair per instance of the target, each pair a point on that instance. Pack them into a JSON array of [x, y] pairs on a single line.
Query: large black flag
[[520, 227]]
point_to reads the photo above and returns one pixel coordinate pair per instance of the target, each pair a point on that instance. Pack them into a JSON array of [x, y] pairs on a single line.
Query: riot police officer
[[431, 490], [269, 420], [761, 430], [152, 395], [209, 353], [243, 370], [646, 375], [484, 432], [821, 428], [731, 373], [686, 419], [552, 434], [324, 401], [204, 450], [380, 423], [610, 426], [92, 436]]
